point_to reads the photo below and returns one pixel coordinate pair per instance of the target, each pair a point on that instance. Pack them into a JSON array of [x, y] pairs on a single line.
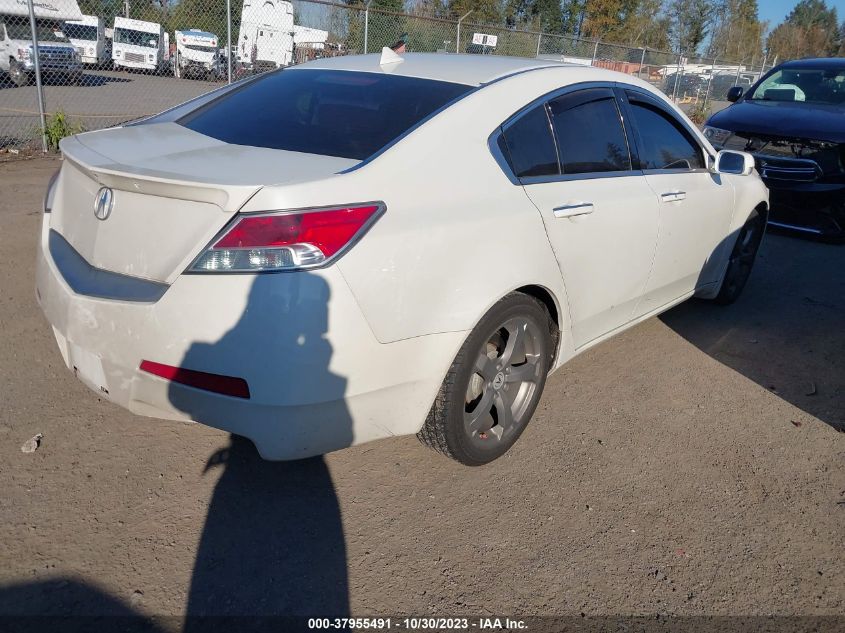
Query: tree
[[572, 13], [603, 18], [737, 31], [690, 21], [483, 11], [629, 22], [544, 15], [810, 30]]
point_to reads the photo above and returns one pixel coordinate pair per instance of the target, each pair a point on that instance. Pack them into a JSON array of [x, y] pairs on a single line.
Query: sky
[[774, 11]]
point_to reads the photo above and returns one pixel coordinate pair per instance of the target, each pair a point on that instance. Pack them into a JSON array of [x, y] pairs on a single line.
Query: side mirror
[[730, 162], [734, 93]]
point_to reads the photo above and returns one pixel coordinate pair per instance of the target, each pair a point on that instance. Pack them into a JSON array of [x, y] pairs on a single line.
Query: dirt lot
[[681, 468]]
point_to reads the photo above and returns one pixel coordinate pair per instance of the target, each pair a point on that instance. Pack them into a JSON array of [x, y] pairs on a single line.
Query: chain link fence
[[113, 61]]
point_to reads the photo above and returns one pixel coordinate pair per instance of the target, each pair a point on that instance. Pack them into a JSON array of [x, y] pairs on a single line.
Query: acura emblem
[[103, 202]]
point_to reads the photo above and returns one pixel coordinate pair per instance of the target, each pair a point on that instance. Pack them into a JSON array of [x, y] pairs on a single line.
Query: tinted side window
[[530, 145], [589, 132], [664, 144]]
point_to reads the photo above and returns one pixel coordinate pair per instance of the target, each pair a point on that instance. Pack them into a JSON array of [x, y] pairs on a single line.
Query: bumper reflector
[[226, 385]]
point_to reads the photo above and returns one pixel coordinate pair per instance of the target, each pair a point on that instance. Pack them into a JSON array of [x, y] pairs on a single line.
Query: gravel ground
[[682, 468]]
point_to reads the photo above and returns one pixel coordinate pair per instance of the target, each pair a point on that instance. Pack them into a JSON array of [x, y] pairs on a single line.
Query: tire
[[18, 75], [742, 258], [494, 384]]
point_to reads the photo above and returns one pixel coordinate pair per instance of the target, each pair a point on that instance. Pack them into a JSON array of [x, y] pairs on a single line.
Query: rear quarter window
[[329, 112]]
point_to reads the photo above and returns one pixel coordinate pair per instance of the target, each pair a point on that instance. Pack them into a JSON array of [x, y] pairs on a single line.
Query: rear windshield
[[329, 112]]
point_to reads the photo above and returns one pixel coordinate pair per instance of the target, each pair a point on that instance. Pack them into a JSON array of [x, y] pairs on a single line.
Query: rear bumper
[[318, 379], [811, 208]]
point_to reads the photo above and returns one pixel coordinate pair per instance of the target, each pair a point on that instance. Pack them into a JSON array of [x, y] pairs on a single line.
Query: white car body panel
[[357, 350], [606, 256]]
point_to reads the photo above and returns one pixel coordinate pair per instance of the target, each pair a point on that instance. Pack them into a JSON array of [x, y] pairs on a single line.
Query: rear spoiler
[[135, 179]]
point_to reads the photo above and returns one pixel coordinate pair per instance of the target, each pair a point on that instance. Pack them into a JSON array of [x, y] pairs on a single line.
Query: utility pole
[[461, 19]]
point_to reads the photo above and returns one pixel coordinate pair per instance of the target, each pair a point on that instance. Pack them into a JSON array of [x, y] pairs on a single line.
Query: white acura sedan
[[368, 246]]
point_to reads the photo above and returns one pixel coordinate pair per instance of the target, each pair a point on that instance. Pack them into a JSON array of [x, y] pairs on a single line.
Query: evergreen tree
[[737, 31], [690, 23], [810, 30]]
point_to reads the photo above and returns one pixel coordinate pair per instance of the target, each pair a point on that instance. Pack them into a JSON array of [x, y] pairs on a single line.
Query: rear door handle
[[673, 196], [573, 209]]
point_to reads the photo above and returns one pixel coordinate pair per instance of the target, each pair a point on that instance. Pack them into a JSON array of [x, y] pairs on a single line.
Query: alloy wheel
[[505, 378]]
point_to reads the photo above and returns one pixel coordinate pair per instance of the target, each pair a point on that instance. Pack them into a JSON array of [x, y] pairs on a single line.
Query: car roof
[[816, 62], [472, 70]]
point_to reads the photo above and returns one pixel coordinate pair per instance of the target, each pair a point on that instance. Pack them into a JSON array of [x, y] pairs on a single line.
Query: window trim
[[544, 101], [621, 92], [613, 96]]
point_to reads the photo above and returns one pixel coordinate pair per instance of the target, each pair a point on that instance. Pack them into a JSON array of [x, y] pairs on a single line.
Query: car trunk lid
[[172, 191]]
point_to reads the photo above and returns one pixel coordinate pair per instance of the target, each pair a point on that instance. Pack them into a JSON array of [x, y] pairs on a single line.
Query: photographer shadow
[[272, 546]]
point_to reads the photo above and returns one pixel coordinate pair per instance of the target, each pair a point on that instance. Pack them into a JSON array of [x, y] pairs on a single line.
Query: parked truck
[[57, 57], [197, 55], [266, 35], [88, 36], [140, 45]]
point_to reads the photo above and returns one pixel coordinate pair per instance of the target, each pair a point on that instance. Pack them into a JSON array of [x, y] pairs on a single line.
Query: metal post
[[738, 66], [125, 8], [539, 39], [595, 53], [709, 82], [366, 25], [39, 88], [677, 76], [642, 63], [460, 19], [229, 40]]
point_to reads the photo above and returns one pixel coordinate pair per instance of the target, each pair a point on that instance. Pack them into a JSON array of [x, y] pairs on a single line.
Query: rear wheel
[[19, 76], [742, 258], [494, 384]]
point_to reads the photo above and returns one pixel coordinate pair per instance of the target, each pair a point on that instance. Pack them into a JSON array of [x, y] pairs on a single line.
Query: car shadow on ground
[[786, 332], [68, 605]]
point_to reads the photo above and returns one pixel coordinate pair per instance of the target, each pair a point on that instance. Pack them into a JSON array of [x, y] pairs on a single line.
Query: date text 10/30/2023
[[417, 624]]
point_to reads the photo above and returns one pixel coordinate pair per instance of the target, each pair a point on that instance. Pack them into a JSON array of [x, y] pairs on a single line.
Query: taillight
[[287, 240]]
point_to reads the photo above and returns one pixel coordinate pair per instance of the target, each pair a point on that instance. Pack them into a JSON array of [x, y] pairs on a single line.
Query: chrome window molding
[[593, 175]]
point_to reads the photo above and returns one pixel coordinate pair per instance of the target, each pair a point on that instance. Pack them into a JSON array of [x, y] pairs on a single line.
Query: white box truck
[[266, 35], [88, 35], [56, 55], [140, 45], [197, 55]]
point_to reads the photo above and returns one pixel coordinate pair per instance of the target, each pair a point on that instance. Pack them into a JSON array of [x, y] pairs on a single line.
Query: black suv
[[793, 121]]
